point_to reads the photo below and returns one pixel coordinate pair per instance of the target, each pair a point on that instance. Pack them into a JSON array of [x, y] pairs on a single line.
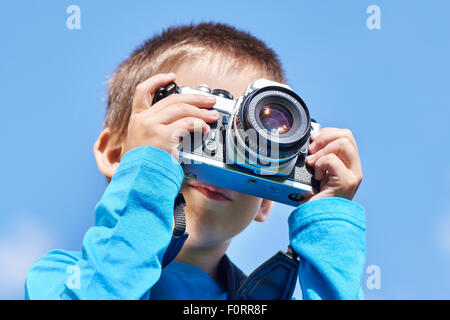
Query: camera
[[258, 146]]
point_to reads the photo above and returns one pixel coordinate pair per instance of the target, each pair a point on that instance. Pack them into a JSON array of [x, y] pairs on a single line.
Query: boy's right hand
[[163, 124]]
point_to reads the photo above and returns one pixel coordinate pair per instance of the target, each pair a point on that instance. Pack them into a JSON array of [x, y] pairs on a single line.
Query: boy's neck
[[206, 258]]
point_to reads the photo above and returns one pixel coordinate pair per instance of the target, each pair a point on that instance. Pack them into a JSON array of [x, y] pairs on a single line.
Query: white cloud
[[443, 243], [443, 233], [443, 225], [25, 242]]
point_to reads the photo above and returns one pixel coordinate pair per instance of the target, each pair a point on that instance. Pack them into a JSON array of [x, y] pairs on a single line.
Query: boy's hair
[[168, 50]]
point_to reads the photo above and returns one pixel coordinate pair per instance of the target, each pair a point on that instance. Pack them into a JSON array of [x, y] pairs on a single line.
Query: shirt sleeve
[[121, 255], [329, 236]]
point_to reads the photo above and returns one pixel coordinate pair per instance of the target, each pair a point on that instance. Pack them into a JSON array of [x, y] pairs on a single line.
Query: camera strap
[[275, 279], [179, 234]]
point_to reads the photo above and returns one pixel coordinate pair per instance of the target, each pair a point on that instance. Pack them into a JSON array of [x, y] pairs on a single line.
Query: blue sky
[[389, 86]]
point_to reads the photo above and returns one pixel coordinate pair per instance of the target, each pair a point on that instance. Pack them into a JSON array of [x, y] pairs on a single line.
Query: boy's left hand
[[334, 155]]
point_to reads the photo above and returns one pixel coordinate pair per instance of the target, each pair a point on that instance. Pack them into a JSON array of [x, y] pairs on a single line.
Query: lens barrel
[[280, 120]]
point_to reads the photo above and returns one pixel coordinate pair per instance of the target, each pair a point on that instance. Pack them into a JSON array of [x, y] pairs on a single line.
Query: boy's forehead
[[219, 73]]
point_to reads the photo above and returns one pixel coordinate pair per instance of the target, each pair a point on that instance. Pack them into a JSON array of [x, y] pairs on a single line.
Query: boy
[[122, 254]]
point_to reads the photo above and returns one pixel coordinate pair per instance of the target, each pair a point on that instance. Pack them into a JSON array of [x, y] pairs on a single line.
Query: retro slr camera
[[258, 146]]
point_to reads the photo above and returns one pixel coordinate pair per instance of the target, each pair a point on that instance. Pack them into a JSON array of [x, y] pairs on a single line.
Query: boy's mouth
[[209, 191]]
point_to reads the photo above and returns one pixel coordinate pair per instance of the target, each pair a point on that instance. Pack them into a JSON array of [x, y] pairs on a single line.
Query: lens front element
[[276, 118]]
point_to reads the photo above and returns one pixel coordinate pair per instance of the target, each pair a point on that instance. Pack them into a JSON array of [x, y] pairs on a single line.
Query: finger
[[181, 110], [326, 135], [343, 149], [143, 95], [329, 163], [189, 124], [198, 100]]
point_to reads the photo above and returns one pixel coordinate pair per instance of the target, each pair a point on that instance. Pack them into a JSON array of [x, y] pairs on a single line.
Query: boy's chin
[[217, 221]]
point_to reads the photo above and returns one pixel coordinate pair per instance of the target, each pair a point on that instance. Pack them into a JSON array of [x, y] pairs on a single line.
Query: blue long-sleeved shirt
[[121, 255]]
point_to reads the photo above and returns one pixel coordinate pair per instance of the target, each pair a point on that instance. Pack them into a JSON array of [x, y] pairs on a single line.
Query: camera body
[[258, 146]]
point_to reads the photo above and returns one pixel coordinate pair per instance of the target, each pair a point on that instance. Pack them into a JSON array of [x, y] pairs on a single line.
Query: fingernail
[[210, 99], [214, 113], [311, 158], [171, 74], [312, 147]]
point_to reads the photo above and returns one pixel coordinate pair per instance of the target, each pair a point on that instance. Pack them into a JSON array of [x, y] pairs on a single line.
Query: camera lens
[[270, 128], [278, 115], [276, 118]]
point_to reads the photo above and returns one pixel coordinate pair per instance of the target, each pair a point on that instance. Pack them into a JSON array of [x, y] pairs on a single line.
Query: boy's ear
[[264, 210], [107, 153]]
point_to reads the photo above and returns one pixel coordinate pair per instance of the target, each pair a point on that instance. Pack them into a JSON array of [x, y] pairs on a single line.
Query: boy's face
[[215, 215]]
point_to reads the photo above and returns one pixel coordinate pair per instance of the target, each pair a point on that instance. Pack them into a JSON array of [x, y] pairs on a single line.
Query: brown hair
[[166, 51]]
